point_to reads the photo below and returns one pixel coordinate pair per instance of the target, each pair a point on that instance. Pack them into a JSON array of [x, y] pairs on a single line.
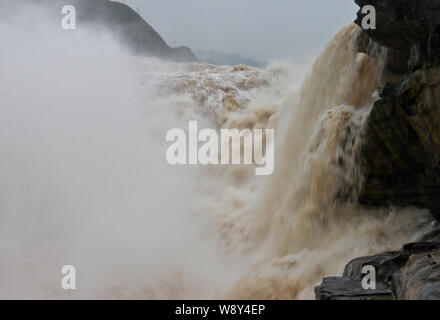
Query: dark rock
[[400, 153], [432, 236], [337, 288], [419, 279], [396, 61], [420, 247], [400, 148], [410, 273], [386, 264], [410, 27]]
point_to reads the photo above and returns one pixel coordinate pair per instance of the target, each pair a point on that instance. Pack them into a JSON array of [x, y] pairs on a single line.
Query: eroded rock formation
[[400, 151], [410, 273], [400, 156]]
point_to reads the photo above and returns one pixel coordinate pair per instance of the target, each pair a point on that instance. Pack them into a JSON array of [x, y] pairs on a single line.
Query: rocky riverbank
[[400, 152]]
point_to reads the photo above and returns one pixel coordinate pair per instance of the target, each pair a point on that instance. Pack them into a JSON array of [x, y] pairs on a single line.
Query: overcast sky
[[261, 29]]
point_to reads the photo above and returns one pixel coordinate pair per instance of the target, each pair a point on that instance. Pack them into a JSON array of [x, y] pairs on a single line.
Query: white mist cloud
[[83, 176], [259, 29]]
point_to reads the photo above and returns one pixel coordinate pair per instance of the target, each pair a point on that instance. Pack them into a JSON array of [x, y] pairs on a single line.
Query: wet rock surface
[[420, 278], [342, 288], [400, 151], [410, 273], [406, 26]]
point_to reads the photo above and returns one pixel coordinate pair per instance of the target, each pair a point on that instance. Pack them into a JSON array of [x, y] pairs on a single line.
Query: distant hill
[[223, 58], [125, 23]]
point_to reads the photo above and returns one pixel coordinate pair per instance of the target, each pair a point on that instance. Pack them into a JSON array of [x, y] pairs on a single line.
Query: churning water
[[84, 179]]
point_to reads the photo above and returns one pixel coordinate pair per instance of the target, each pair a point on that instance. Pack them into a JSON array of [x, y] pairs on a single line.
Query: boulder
[[407, 26], [410, 273], [419, 279], [400, 151], [341, 288], [400, 147]]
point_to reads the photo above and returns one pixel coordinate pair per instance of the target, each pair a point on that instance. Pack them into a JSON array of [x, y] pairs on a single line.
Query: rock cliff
[[400, 156], [400, 150], [410, 273]]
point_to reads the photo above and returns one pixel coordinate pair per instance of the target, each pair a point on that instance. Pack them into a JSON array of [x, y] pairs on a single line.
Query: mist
[[84, 180], [257, 29]]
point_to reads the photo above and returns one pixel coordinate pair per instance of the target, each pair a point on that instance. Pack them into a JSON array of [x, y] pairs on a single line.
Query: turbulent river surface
[[84, 180]]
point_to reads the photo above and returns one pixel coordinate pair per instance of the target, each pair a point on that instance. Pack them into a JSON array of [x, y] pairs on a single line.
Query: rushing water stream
[[84, 181]]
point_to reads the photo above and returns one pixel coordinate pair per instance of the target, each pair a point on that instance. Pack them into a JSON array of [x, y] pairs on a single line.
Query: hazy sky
[[259, 29]]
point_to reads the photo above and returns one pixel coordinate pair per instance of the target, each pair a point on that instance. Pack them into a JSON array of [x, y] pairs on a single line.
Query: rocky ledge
[[400, 156], [400, 150], [412, 272]]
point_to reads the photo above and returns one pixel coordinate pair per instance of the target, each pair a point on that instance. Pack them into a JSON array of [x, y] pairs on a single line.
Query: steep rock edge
[[400, 156], [410, 273], [129, 28], [400, 151]]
